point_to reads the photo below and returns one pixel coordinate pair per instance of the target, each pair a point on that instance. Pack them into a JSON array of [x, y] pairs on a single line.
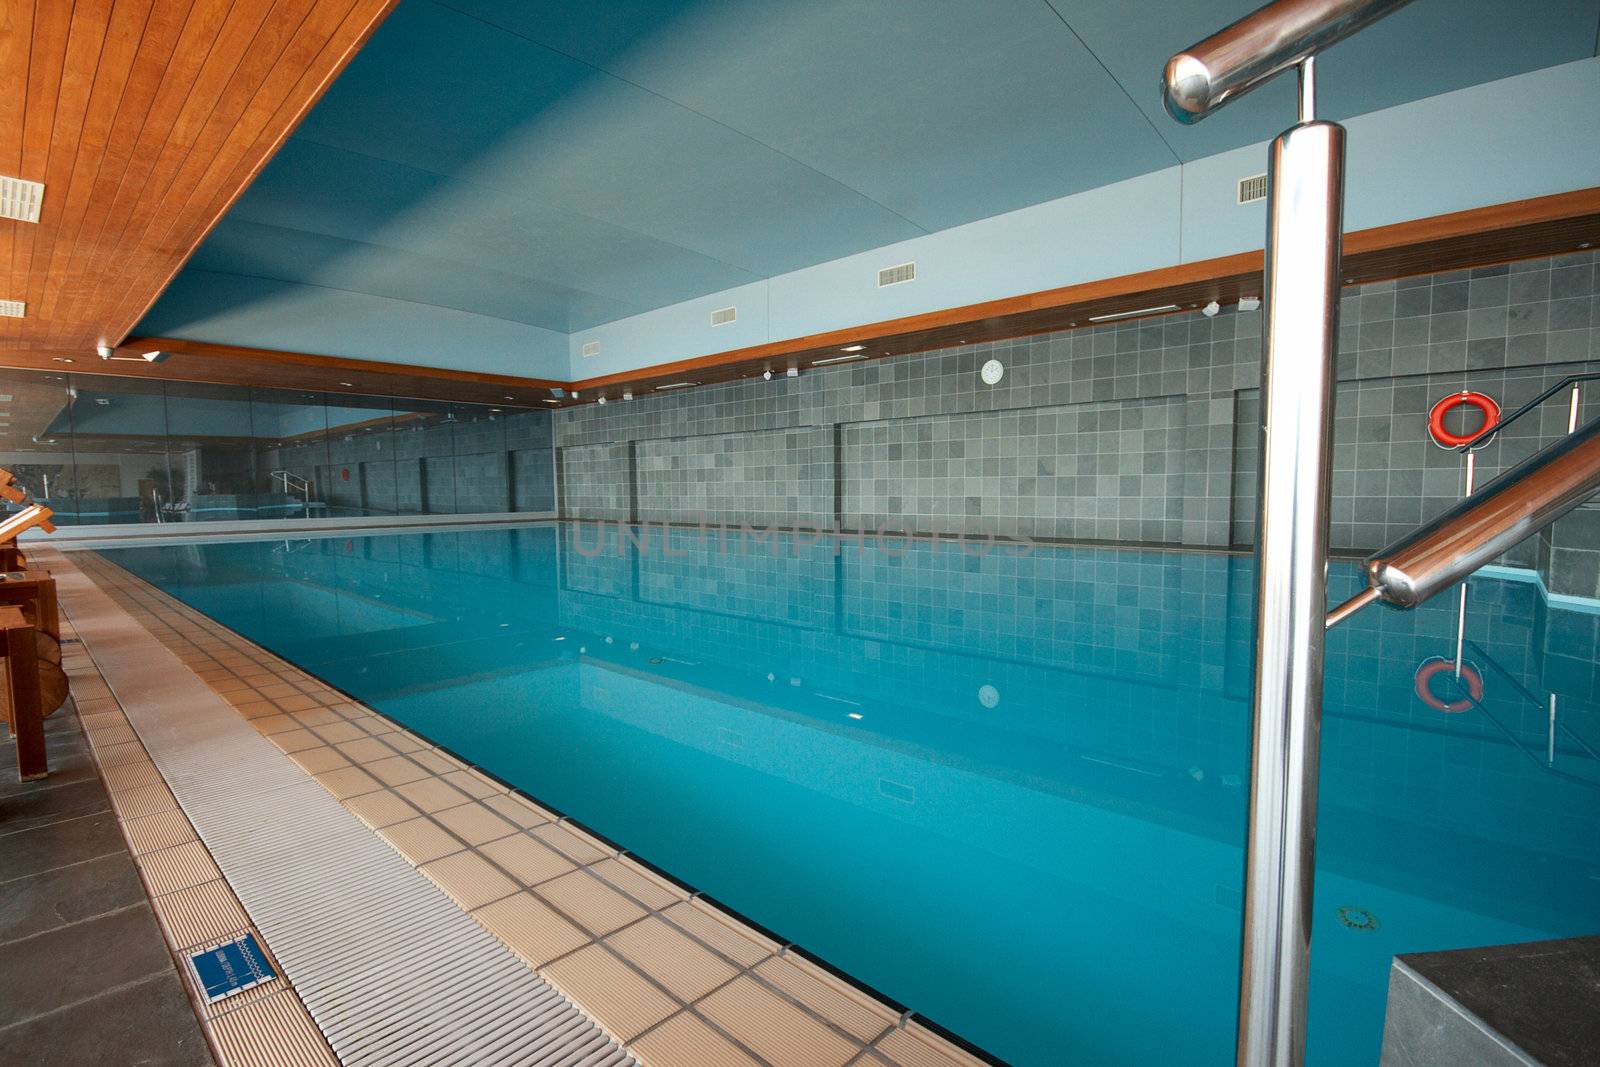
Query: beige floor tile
[[199, 914], [520, 810], [641, 885], [297, 702], [573, 843], [317, 760], [531, 928], [395, 770], [296, 740], [686, 1041], [674, 959], [917, 1047], [529, 861], [594, 905], [473, 784], [382, 808], [337, 731], [145, 800], [474, 824], [420, 840], [272, 1032], [365, 750], [773, 1028], [131, 776], [152, 833], [346, 782], [120, 755], [469, 879], [430, 794], [276, 690], [846, 1008], [611, 992], [258, 709], [179, 867], [743, 947], [319, 717], [272, 725], [399, 741], [437, 762]]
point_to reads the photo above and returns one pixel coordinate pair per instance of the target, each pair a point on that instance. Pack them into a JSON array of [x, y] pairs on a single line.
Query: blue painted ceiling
[[566, 164]]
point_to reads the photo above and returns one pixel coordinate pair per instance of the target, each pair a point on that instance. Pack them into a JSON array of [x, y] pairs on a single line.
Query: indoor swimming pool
[[1004, 788]]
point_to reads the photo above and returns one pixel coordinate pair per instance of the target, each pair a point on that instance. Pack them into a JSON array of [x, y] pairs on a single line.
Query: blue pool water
[[1004, 789]]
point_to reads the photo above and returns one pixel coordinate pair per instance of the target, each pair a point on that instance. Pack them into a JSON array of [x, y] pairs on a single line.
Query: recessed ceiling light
[[836, 359], [348, 385], [670, 385], [61, 359], [853, 348], [508, 398], [552, 401]]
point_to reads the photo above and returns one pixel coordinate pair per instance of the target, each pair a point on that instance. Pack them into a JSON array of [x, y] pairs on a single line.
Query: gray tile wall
[[1132, 431]]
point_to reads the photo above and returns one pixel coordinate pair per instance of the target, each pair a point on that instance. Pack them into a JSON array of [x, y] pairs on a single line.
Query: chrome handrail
[[1517, 504], [1257, 48], [1305, 203]]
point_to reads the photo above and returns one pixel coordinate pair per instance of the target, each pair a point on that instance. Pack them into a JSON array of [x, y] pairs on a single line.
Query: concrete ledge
[[132, 533]]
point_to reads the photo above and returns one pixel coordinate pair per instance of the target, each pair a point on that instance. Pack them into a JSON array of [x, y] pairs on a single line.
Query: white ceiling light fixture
[[627, 394], [766, 375], [602, 400], [836, 359], [13, 309], [793, 372], [674, 385], [1249, 303], [104, 351], [20, 199], [853, 348]]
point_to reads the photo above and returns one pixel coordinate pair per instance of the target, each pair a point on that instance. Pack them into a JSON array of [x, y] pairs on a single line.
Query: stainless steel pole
[[1304, 225]]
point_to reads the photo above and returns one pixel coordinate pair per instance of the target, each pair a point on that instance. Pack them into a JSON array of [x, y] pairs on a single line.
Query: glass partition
[[104, 449]]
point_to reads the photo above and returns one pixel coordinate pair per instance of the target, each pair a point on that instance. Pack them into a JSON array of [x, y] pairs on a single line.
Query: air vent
[[20, 199], [1252, 188], [591, 349], [12, 309], [723, 316], [905, 272]]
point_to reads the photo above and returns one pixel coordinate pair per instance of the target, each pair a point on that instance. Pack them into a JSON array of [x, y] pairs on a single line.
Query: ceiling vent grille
[[591, 349], [12, 309], [723, 316], [20, 199], [905, 272], [1252, 188]]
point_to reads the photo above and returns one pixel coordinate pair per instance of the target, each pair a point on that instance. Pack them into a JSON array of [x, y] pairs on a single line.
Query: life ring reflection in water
[[1432, 668]]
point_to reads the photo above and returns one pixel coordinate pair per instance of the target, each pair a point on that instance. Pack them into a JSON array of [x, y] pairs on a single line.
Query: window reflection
[[109, 449]]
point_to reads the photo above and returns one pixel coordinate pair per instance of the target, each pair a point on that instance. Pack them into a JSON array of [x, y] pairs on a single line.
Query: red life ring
[[1443, 437], [1437, 665]]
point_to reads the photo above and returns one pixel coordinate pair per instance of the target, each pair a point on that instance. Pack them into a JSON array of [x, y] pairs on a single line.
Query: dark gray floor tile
[[71, 963], [70, 894], [149, 1023], [23, 811], [57, 844]]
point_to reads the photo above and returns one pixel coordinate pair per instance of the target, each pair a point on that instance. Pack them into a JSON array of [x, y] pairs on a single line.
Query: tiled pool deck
[[676, 980]]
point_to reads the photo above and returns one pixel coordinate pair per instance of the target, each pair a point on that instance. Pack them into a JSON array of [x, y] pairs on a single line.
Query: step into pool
[[1003, 787]]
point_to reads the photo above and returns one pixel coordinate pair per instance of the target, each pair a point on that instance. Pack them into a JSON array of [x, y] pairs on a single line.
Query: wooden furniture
[[18, 642]]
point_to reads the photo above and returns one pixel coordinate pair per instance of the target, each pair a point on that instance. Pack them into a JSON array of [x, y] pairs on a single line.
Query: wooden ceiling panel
[[145, 119]]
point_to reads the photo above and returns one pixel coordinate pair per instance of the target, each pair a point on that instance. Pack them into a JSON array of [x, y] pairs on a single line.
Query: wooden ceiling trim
[[145, 119], [322, 48], [119, 41], [250, 45]]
